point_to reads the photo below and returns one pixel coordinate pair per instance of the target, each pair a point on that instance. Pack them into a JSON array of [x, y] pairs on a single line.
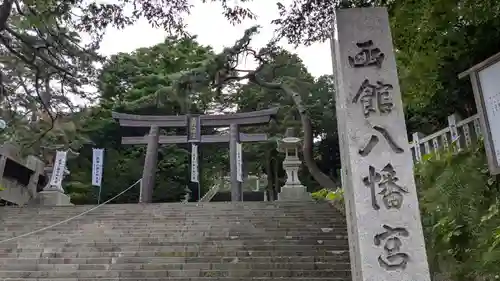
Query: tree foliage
[[460, 204], [129, 83], [46, 67], [318, 98], [44, 62], [222, 69], [435, 40], [164, 79]]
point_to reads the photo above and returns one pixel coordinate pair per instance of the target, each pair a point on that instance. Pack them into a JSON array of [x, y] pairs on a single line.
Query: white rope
[[72, 218]]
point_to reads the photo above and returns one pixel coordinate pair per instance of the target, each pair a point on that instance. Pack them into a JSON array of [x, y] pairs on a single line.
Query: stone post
[[293, 190], [38, 167], [236, 191], [454, 134], [385, 232], [149, 170], [417, 146]]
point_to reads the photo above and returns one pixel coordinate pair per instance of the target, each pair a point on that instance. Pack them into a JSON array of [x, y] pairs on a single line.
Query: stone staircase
[[264, 241]]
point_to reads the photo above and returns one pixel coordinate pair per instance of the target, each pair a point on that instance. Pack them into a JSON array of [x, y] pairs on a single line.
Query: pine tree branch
[[5, 11]]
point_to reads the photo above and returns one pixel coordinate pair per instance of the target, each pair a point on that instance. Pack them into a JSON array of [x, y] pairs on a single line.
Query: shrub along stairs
[[178, 242]]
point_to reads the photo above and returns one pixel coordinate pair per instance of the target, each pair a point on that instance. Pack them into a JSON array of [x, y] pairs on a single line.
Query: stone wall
[[21, 178]]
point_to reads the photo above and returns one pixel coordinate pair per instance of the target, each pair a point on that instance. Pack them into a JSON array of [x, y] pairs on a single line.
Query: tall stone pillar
[[150, 162], [385, 232], [236, 192]]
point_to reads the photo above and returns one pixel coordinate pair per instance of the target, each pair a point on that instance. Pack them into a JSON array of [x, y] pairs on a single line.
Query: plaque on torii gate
[[194, 123]]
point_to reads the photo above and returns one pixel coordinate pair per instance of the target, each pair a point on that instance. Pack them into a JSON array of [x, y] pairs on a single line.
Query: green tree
[[460, 204], [132, 83], [46, 66], [222, 69], [435, 40], [321, 108]]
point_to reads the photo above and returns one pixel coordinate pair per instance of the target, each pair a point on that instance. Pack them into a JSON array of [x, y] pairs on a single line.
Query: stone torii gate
[[193, 123]]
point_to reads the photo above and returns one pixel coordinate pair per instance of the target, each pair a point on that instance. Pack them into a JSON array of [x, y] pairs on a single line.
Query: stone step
[[134, 218], [180, 214], [209, 239], [233, 205], [210, 278], [166, 239], [102, 231], [340, 258], [321, 245], [88, 218], [172, 229], [203, 221], [166, 225], [266, 241], [249, 237], [156, 253], [215, 206], [177, 266], [177, 249], [94, 234], [229, 231], [98, 241], [200, 243], [174, 273], [176, 213]]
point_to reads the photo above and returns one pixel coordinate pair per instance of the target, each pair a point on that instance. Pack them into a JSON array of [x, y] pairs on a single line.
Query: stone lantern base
[[52, 197], [295, 192]]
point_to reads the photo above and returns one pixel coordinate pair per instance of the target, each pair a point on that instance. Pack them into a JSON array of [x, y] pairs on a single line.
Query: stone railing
[[460, 133]]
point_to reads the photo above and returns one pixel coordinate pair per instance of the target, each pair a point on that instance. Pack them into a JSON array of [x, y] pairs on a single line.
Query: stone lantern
[[293, 190]]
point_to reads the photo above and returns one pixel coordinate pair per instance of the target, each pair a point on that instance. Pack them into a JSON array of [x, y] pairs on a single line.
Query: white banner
[[239, 162], [194, 163], [58, 170], [97, 163]]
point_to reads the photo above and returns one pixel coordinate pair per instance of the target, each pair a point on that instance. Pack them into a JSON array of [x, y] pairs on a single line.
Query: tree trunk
[[5, 10], [307, 147]]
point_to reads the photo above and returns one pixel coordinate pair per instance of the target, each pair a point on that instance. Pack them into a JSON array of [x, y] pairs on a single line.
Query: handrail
[[211, 193]]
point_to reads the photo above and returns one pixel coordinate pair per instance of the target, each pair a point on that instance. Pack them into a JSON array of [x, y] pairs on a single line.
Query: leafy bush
[[320, 194], [460, 204], [335, 197], [330, 195]]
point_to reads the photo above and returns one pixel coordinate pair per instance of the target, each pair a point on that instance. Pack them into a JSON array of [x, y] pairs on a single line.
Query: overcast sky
[[207, 22]]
